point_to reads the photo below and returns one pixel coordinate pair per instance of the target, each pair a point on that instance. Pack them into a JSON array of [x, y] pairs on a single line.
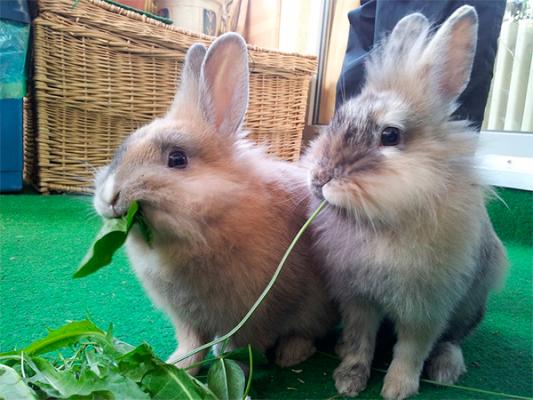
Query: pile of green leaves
[[81, 361]]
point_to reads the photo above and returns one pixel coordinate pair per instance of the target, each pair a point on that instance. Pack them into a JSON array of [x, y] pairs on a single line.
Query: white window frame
[[505, 159]]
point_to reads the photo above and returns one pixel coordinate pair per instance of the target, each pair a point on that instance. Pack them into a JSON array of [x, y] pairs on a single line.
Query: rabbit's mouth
[[317, 191], [112, 207], [352, 197], [108, 200], [331, 193], [325, 187], [318, 180]]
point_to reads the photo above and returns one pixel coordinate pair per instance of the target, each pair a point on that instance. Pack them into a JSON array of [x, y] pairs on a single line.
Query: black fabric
[[15, 10], [375, 18]]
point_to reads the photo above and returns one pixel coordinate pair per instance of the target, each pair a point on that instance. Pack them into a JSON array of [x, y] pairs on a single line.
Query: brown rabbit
[[222, 215], [406, 235]]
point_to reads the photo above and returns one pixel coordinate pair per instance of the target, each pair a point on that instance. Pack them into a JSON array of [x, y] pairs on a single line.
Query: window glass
[[510, 103]]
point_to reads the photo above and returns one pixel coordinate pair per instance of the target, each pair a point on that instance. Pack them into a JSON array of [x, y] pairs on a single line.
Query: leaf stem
[[265, 292], [22, 365], [224, 346], [250, 373], [202, 362]]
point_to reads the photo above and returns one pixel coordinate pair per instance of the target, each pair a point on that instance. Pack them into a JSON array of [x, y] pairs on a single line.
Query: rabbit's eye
[[390, 136], [177, 159]]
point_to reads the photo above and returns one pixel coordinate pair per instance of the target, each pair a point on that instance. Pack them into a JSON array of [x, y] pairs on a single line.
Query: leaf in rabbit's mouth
[[110, 238], [145, 229]]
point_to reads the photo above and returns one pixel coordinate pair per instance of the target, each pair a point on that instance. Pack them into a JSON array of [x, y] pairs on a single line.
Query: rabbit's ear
[[224, 83], [408, 31], [190, 76], [450, 53]]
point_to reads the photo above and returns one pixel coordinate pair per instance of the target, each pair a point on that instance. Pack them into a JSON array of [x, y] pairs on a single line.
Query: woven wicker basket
[[101, 71]]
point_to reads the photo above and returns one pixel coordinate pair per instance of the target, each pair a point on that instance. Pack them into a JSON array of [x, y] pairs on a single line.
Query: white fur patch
[[333, 195], [389, 151], [108, 189], [104, 196]]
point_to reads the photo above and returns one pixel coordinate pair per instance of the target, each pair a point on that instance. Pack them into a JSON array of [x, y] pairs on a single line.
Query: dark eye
[[177, 159], [390, 136]]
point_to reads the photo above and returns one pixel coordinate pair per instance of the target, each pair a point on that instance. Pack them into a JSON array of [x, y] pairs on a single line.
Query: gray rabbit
[[406, 233]]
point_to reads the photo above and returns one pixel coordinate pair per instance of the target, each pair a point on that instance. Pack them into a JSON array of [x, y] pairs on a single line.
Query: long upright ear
[[450, 53], [190, 76], [409, 31], [224, 83], [399, 52]]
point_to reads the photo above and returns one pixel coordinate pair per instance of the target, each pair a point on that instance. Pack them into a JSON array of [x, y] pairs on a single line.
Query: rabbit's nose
[[317, 191], [117, 211], [321, 178], [317, 183], [114, 199]]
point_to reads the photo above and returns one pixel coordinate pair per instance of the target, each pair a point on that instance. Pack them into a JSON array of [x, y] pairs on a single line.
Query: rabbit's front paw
[[399, 384], [350, 379]]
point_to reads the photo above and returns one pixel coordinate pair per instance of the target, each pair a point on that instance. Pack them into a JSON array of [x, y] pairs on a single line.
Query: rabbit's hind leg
[[292, 350], [446, 363]]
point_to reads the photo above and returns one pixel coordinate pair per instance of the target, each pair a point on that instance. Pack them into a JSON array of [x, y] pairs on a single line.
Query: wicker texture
[[101, 71], [30, 145]]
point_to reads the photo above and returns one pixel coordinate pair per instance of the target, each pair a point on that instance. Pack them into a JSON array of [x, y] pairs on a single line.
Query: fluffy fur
[[221, 224], [406, 234]]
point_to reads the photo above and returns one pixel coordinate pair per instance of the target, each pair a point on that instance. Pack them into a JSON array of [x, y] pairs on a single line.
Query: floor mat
[[43, 239]]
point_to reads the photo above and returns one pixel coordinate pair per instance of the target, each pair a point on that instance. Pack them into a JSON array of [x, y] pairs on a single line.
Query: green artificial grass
[[43, 239]]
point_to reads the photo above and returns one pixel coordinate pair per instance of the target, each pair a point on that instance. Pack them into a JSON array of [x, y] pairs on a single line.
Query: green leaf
[[62, 337], [12, 387], [93, 362], [119, 347], [51, 381], [110, 238], [146, 232], [65, 384], [94, 396], [137, 363], [226, 379], [243, 354], [116, 384], [109, 333], [161, 380], [166, 382]]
